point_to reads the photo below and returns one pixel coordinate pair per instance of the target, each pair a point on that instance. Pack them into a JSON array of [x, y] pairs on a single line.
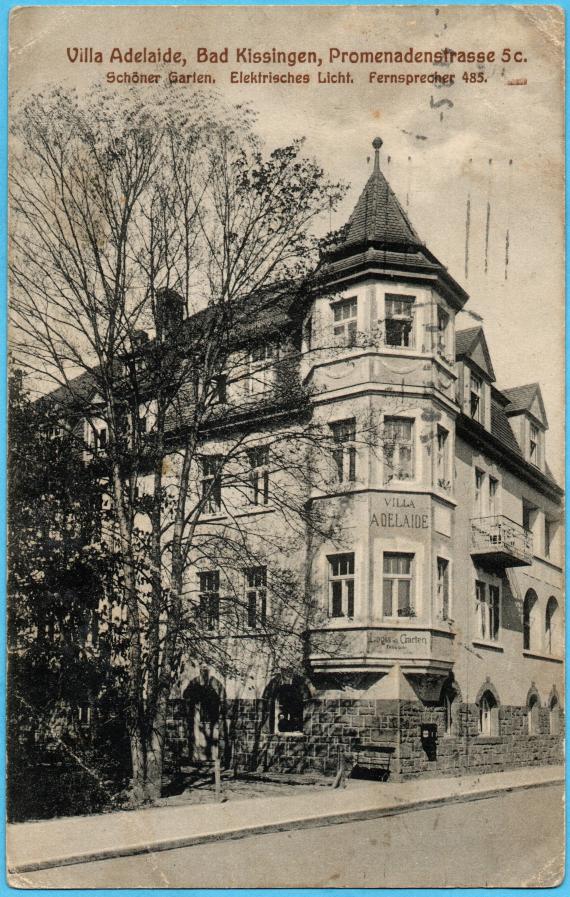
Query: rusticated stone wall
[[335, 727]]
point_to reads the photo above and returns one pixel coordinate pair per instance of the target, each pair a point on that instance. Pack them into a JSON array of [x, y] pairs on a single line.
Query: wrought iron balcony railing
[[501, 540]]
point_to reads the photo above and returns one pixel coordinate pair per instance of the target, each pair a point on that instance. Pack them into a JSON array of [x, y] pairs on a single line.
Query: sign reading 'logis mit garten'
[[400, 513]]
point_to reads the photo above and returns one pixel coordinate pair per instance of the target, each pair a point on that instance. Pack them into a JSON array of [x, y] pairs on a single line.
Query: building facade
[[439, 647]]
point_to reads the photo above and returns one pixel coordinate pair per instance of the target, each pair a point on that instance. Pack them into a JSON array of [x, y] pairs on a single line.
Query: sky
[[491, 152]]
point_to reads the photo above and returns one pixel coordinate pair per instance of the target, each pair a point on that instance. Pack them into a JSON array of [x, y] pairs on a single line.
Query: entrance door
[[203, 723]]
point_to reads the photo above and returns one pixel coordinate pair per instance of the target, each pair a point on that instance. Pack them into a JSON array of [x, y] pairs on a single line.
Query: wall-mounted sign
[[400, 512], [400, 642]]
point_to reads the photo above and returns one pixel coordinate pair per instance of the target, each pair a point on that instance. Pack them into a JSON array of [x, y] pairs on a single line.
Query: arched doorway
[[203, 716]]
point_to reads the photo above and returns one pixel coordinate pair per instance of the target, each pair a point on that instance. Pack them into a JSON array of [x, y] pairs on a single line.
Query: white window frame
[[475, 392], [261, 367], [211, 483], [440, 588], [345, 320], [395, 579], [393, 469], [533, 444], [347, 591], [209, 598], [488, 716], [442, 318], [443, 476], [480, 486], [258, 459], [256, 596], [489, 616], [344, 449]]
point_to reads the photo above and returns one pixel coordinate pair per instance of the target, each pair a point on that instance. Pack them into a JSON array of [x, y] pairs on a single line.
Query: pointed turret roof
[[378, 217], [379, 238]]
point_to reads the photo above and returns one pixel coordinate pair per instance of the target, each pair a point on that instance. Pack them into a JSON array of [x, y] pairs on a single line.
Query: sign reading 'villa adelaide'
[[400, 513]]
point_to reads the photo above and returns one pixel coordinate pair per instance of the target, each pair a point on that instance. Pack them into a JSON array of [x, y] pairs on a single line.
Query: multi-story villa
[[437, 641]]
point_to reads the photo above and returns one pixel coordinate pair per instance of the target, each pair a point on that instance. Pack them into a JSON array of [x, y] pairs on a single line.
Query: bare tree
[[158, 260]]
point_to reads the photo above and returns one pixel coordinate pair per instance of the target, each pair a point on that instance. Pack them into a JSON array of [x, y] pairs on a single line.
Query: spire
[[378, 217]]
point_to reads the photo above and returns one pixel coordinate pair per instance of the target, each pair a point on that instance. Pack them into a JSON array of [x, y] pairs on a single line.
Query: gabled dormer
[[528, 420], [475, 375]]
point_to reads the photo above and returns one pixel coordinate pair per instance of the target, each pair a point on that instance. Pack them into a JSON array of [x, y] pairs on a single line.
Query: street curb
[[304, 822]]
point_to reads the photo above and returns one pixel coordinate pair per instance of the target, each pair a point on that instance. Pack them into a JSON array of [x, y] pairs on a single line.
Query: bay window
[[443, 588], [443, 478]]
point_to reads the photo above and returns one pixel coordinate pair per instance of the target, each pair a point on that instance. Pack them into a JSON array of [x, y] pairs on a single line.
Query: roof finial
[[377, 143]]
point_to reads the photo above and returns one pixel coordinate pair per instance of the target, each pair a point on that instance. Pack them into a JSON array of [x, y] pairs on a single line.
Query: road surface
[[510, 840]]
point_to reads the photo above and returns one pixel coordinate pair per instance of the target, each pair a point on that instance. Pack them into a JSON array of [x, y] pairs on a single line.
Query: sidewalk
[[42, 845]]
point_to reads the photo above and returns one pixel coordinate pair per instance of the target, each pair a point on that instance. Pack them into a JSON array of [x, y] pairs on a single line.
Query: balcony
[[501, 542], [417, 648]]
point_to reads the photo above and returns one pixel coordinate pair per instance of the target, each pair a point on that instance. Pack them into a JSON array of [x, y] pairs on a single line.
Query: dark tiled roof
[[501, 428], [520, 397], [378, 217], [464, 340]]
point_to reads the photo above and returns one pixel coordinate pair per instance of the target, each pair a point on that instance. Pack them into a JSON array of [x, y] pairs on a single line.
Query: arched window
[[530, 639], [533, 716], [554, 716], [552, 627], [488, 715], [287, 708], [450, 703]]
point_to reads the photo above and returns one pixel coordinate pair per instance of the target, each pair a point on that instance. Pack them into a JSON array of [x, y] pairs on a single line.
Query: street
[[511, 840]]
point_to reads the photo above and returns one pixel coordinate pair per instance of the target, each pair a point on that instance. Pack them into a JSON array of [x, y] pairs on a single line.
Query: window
[[398, 449], [533, 445], [554, 716], [400, 321], [211, 484], [84, 714], [493, 496], [308, 334], [261, 368], [256, 596], [529, 621], [443, 588], [549, 529], [288, 709], [345, 323], [488, 599], [209, 598], [344, 450], [533, 716], [479, 492], [442, 325], [449, 699], [259, 474], [99, 439], [552, 627], [443, 478], [475, 392], [528, 516], [221, 389], [341, 585], [397, 594], [488, 715]]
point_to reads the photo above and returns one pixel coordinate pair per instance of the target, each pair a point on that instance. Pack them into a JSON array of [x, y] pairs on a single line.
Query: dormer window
[[475, 392], [261, 364], [534, 445], [400, 321], [344, 315]]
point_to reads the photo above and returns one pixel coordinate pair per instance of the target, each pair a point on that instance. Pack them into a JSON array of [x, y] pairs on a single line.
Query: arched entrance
[[203, 716]]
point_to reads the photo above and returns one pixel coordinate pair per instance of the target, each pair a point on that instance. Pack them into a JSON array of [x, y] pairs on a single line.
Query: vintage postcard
[[286, 435]]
